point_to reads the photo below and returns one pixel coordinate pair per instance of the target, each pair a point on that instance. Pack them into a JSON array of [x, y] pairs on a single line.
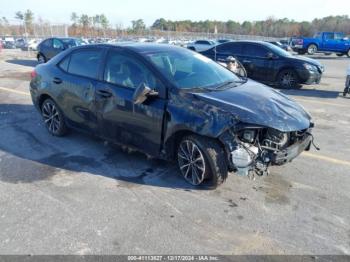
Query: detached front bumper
[[287, 155]]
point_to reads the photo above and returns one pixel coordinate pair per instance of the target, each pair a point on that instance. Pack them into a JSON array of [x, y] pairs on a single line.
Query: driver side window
[[125, 70]]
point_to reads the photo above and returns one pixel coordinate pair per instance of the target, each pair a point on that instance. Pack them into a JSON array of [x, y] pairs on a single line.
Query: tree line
[[269, 27], [99, 25]]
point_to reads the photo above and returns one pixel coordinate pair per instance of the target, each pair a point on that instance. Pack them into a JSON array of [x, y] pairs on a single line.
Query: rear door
[[121, 120], [330, 44], [76, 83]]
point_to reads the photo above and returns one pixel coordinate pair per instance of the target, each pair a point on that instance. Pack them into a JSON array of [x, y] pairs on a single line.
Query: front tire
[[340, 55], [53, 118], [202, 161], [288, 79], [348, 53], [312, 49]]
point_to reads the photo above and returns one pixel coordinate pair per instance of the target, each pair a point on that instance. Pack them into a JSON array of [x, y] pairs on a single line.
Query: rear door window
[[329, 36], [85, 62], [254, 50], [64, 63]]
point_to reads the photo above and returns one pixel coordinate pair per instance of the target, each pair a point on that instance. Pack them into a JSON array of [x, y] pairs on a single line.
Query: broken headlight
[[248, 135], [275, 139]]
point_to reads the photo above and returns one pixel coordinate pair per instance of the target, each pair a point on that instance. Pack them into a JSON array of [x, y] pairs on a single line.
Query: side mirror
[[345, 39], [141, 94]]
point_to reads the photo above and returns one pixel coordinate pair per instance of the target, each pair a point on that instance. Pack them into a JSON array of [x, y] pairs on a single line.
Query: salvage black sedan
[[267, 63], [171, 103]]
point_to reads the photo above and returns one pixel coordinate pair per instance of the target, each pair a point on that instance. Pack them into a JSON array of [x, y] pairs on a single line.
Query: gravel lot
[[80, 195]]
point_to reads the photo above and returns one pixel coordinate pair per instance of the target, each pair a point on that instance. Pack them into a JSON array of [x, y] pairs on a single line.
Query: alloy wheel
[[288, 80], [191, 162], [51, 117], [312, 50]]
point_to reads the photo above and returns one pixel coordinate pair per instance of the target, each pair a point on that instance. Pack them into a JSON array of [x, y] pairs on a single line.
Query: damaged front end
[[252, 149]]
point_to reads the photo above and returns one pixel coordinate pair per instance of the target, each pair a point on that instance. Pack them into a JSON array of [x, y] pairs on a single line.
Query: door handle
[[247, 61], [57, 80], [104, 93]]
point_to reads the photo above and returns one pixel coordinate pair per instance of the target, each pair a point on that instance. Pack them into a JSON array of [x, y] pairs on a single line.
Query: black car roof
[[142, 48]]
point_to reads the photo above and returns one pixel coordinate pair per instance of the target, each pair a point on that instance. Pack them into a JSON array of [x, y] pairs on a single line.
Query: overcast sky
[[123, 11]]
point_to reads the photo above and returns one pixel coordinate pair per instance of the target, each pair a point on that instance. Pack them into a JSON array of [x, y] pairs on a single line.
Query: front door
[[121, 120], [255, 61]]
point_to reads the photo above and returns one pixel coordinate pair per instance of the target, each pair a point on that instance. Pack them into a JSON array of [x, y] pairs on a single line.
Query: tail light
[[33, 74]]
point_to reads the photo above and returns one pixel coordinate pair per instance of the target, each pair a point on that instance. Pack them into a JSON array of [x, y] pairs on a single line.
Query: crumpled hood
[[255, 103]]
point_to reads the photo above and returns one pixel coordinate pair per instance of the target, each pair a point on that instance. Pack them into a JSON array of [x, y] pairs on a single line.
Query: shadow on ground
[[23, 62], [312, 93], [326, 57], [42, 156]]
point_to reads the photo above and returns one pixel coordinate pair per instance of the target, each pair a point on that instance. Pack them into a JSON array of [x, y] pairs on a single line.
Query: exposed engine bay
[[254, 149]]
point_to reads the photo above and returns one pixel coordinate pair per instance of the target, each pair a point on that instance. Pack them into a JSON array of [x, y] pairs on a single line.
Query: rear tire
[[288, 79], [312, 49], [340, 55], [53, 118], [202, 161], [41, 59]]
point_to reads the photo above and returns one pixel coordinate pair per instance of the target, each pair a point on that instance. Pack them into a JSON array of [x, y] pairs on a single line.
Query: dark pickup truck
[[324, 42]]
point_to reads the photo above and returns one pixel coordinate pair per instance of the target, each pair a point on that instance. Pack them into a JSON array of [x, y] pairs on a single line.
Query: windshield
[[187, 69], [279, 51]]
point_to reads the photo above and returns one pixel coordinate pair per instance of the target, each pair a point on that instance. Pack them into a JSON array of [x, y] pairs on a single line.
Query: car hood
[[257, 104], [308, 60]]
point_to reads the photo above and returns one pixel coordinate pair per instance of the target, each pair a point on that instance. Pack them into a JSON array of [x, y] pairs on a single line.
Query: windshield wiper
[[214, 88], [224, 84], [229, 83]]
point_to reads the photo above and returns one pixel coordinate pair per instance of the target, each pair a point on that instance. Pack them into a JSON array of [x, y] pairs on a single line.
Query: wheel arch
[[313, 43], [42, 98], [284, 69], [40, 54], [175, 138]]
